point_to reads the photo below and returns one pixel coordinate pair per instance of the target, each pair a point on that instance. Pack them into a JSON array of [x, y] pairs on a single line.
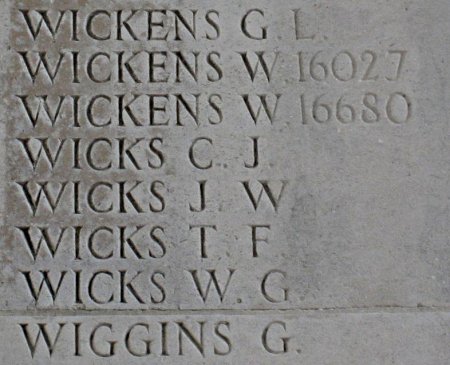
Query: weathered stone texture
[[225, 182]]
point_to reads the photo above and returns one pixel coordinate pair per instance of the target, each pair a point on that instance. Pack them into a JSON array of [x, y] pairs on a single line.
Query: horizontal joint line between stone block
[[233, 312]]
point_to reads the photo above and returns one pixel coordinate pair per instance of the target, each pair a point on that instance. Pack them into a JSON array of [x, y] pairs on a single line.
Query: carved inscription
[[148, 168]]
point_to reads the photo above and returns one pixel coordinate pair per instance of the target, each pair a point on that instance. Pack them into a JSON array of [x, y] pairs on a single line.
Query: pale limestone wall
[[225, 182]]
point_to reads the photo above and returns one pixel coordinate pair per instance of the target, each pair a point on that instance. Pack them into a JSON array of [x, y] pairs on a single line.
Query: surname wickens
[[139, 136]]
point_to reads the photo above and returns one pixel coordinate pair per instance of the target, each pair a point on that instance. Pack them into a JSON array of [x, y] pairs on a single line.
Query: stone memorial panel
[[225, 182]]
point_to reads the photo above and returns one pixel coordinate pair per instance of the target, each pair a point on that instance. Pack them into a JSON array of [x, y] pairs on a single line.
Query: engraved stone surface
[[225, 182]]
